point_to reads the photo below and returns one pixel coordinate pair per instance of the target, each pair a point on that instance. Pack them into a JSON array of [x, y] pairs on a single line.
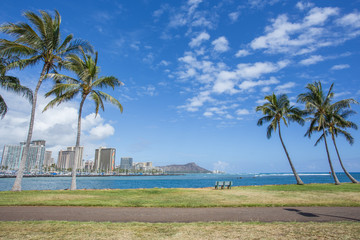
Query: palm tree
[[39, 42], [87, 83], [336, 124], [317, 104], [10, 83], [276, 109]]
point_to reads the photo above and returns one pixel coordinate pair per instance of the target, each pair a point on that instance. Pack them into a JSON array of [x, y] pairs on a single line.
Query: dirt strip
[[153, 215]]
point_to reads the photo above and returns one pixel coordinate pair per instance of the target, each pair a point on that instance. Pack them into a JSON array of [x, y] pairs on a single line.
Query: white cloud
[[318, 16], [234, 16], [340, 67], [242, 53], [246, 85], [57, 126], [352, 20], [285, 88], [309, 34], [248, 71], [242, 112], [225, 82], [197, 101], [221, 44], [208, 114], [304, 5], [102, 131], [265, 89], [312, 60], [195, 42]]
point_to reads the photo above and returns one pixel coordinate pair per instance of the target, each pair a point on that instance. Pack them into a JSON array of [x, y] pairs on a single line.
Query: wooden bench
[[223, 184]]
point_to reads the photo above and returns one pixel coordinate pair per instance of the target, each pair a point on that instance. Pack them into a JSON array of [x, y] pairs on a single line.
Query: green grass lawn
[[213, 230], [249, 196]]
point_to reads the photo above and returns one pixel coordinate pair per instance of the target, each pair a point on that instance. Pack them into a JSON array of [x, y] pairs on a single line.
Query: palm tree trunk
[[297, 177], [337, 152], [77, 147], [337, 182], [20, 172]]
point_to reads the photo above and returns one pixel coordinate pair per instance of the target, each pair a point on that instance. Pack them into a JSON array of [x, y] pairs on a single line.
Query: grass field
[[250, 196], [214, 230]]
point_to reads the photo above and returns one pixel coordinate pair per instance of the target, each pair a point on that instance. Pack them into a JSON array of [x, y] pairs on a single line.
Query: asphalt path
[[154, 215]]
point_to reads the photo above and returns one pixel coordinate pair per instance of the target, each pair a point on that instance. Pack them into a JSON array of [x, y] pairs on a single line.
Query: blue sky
[[193, 73]]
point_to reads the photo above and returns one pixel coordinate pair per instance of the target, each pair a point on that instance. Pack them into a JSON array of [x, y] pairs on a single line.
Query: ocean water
[[179, 181]]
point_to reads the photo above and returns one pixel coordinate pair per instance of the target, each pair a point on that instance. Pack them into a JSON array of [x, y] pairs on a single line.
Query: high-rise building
[[12, 154], [88, 166], [66, 158], [48, 160], [126, 163], [104, 159]]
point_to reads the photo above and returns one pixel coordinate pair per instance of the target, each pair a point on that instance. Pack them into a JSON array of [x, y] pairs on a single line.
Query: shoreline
[[98, 175]]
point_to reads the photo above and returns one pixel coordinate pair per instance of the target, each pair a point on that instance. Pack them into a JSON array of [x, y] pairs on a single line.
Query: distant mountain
[[186, 168]]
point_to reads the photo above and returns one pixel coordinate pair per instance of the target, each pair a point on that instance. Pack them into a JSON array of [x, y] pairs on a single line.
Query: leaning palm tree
[[278, 108], [317, 104], [39, 42], [87, 83], [336, 124], [10, 83]]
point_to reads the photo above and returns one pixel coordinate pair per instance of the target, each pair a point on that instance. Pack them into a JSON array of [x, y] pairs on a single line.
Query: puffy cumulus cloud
[[340, 66], [57, 126], [242, 112], [225, 82], [248, 84], [234, 16], [350, 20], [312, 60], [242, 53], [220, 44], [188, 15], [318, 16], [319, 28], [304, 5], [285, 88], [255, 70], [193, 104], [102, 131], [195, 42]]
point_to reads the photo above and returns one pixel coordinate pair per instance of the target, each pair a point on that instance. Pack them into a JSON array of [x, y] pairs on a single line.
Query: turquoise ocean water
[[179, 181]]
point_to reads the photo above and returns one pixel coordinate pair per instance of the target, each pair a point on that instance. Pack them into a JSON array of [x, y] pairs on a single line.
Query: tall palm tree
[[10, 83], [39, 42], [87, 83], [278, 108], [317, 104], [336, 124]]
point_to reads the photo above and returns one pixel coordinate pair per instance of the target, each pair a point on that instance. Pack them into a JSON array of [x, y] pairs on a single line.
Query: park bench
[[223, 184]]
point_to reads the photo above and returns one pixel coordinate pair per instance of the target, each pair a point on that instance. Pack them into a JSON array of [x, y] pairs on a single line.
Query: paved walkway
[[102, 214]]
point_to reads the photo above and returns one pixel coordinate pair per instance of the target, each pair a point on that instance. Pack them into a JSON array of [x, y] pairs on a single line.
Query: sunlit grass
[[212, 230], [277, 195]]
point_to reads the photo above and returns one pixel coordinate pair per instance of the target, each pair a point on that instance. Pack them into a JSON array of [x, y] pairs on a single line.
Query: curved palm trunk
[[346, 172], [297, 177], [77, 148], [20, 173], [337, 182]]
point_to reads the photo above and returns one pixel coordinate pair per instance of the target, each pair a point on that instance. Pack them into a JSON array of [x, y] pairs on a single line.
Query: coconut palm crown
[[277, 109], [10, 83], [87, 83], [35, 43]]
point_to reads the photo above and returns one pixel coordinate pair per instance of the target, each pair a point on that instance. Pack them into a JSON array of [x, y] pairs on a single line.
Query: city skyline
[[193, 73]]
